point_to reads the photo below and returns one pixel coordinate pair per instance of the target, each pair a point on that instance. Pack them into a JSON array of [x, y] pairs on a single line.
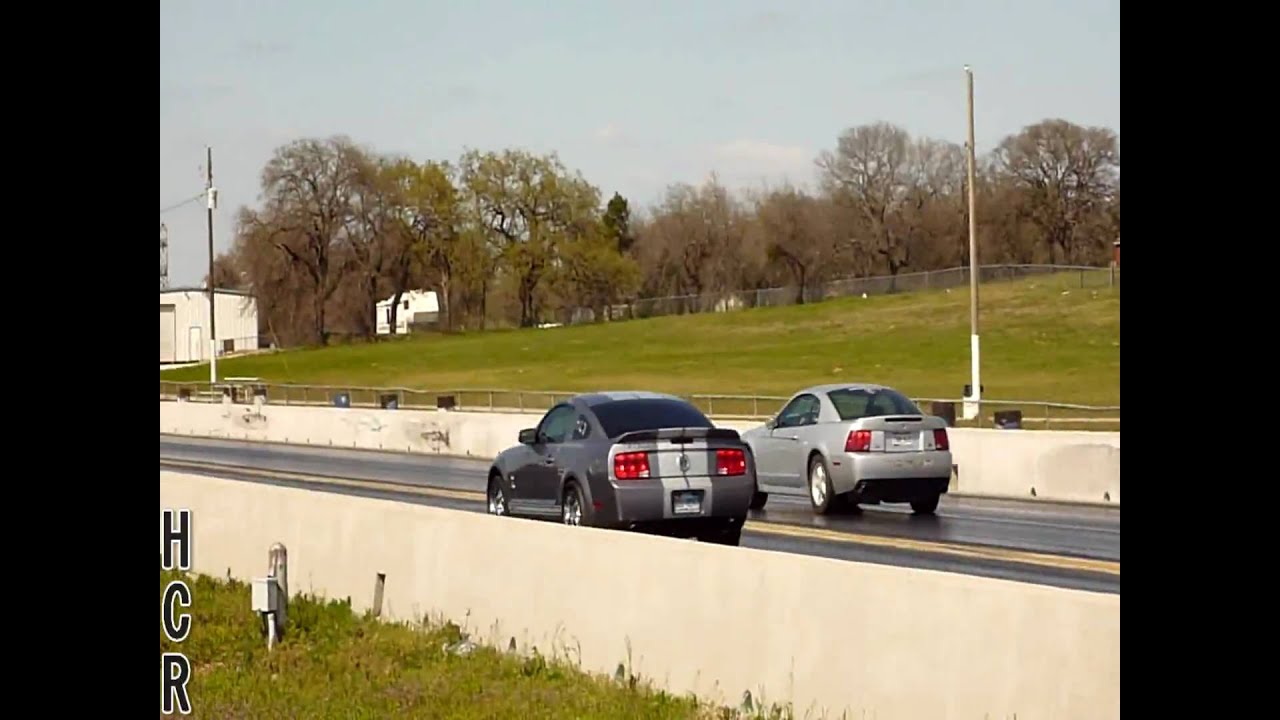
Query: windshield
[[854, 403], [619, 417]]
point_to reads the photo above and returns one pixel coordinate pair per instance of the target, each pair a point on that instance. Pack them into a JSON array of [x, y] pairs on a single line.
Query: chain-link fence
[[1082, 276]]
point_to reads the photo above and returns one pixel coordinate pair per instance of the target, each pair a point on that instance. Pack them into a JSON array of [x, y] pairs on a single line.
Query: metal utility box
[[266, 595]]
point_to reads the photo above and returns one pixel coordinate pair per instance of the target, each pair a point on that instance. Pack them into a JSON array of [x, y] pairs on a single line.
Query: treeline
[[514, 238]]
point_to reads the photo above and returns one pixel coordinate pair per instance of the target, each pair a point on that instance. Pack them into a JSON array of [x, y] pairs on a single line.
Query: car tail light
[[731, 462], [858, 441], [940, 439], [631, 465]]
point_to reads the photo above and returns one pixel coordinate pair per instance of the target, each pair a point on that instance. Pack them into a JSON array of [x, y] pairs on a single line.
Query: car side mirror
[[771, 423], [528, 436]]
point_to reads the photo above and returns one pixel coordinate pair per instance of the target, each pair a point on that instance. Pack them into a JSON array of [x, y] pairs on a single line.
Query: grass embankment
[[1044, 338], [335, 664]]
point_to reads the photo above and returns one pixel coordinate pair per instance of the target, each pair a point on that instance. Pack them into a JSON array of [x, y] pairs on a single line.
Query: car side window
[[801, 411], [582, 428], [557, 425]]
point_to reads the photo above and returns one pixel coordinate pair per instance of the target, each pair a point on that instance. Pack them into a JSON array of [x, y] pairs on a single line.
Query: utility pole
[[973, 407], [213, 326]]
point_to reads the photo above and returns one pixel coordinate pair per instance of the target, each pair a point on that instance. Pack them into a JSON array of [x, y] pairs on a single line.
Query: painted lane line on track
[[198, 466], [794, 531], [1023, 557]]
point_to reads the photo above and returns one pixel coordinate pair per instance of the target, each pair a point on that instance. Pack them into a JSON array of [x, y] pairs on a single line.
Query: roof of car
[[845, 386], [596, 398]]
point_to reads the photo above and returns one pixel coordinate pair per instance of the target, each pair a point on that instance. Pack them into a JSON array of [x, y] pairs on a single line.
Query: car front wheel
[[497, 500]]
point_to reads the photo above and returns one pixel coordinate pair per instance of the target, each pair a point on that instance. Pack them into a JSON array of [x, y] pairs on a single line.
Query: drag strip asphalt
[[1060, 545]]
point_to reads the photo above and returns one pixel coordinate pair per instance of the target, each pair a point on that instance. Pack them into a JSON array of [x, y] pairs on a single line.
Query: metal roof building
[[184, 323]]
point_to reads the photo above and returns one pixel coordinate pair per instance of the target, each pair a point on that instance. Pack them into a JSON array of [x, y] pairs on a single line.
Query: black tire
[[828, 502], [495, 498], [926, 505], [573, 496], [728, 534], [758, 500]]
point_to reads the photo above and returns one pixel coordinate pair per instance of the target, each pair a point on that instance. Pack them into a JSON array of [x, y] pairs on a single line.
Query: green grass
[[1042, 339], [335, 664]]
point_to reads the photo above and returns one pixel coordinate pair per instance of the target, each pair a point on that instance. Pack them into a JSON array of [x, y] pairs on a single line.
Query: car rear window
[[618, 417], [854, 403]]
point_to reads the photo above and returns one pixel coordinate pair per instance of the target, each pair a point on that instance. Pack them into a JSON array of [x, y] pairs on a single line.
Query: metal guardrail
[[725, 407]]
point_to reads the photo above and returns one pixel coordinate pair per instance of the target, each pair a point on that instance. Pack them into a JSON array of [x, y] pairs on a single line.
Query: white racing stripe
[[701, 462]]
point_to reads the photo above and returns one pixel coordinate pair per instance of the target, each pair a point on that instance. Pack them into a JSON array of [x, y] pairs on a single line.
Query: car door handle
[[549, 461]]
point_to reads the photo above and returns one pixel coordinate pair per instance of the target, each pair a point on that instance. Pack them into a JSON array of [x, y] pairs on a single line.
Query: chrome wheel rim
[[572, 510], [818, 483], [497, 504]]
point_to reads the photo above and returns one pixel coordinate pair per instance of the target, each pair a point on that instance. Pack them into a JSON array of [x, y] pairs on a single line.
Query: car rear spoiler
[[679, 434]]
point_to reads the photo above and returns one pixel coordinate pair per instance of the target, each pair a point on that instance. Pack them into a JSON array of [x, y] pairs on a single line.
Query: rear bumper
[[895, 473], [651, 503], [897, 490], [685, 527]]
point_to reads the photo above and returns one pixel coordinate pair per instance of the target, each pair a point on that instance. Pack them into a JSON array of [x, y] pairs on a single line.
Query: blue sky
[[635, 95]]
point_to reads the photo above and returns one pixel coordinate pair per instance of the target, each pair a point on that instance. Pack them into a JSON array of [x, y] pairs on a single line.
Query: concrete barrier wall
[[1026, 464], [826, 635], [465, 434]]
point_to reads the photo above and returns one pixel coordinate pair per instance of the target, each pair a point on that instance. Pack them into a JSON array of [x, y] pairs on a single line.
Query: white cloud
[[783, 157], [608, 132], [748, 162]]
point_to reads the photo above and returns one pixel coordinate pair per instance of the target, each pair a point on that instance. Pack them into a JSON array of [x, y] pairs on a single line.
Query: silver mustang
[[844, 445], [628, 460]]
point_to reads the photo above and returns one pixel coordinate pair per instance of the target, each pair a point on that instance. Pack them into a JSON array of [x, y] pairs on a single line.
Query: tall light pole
[[213, 328], [972, 408]]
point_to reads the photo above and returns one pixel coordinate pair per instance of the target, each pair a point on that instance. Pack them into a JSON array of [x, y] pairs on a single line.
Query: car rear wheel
[[821, 494], [728, 534], [758, 500], [926, 505], [497, 501], [571, 507]]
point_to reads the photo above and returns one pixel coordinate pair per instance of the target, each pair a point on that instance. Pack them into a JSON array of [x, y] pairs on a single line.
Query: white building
[[417, 307], [184, 324]]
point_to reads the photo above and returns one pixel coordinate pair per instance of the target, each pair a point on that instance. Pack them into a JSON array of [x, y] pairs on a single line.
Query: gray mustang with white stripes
[[628, 460]]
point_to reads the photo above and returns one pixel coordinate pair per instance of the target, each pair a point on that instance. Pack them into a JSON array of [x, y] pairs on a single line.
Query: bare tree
[[697, 241], [1068, 174], [308, 186], [797, 234], [870, 171], [226, 274], [374, 236]]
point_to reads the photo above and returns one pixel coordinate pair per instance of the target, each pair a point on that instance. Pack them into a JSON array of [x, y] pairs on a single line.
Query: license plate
[[902, 441], [686, 502]]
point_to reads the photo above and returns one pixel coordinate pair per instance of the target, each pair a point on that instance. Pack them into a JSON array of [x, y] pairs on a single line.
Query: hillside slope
[[1042, 339]]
